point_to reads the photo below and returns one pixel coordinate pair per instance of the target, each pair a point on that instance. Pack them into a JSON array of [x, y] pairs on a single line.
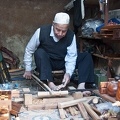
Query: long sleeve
[[30, 49], [70, 59]]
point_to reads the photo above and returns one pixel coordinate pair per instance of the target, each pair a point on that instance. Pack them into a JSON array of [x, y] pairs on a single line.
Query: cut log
[[27, 99], [91, 112], [83, 111], [95, 100], [95, 109], [43, 94]]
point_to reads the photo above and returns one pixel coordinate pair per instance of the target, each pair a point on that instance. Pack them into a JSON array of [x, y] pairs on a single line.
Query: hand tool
[[42, 84]]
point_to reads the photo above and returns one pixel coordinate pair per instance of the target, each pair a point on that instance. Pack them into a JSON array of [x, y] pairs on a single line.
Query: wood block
[[16, 106], [103, 84], [26, 89], [6, 103], [62, 114], [71, 88], [15, 93], [13, 112], [77, 95], [103, 90], [27, 99], [18, 99]]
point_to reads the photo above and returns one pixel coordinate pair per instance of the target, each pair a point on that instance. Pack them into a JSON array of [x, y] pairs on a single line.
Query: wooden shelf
[[106, 57]]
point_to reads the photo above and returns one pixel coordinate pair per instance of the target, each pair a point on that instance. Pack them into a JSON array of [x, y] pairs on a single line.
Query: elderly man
[[54, 48]]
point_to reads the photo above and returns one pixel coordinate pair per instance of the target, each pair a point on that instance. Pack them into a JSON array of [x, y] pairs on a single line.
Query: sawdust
[[37, 101]]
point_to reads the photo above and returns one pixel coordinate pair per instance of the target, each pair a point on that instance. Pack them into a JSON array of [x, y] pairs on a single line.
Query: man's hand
[[66, 79], [28, 75]]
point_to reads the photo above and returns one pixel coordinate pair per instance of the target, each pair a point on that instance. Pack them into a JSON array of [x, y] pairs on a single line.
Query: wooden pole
[[106, 12]]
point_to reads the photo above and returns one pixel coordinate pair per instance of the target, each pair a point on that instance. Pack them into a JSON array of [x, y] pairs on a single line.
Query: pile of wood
[[5, 105], [77, 106], [68, 105]]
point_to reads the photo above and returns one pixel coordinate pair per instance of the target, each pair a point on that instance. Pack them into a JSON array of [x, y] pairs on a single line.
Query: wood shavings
[[37, 101], [117, 103]]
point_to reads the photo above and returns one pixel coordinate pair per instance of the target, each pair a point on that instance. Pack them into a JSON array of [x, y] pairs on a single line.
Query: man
[[54, 48]]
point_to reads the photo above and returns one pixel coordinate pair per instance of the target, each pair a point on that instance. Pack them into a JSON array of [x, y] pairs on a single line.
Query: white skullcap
[[61, 18]]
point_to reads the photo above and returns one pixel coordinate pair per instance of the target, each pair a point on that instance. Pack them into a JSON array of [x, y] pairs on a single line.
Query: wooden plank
[[71, 103], [57, 99], [42, 106], [75, 102]]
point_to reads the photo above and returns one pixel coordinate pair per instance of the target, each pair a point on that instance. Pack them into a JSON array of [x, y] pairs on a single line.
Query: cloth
[[78, 14], [85, 68], [61, 18], [70, 58]]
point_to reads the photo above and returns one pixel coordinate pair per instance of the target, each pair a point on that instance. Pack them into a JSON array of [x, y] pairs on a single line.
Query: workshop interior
[[96, 26]]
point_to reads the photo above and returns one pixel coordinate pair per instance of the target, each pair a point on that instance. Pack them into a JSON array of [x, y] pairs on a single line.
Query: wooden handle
[[37, 79]]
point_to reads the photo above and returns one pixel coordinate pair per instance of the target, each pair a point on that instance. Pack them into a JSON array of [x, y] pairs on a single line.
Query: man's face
[[60, 30]]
